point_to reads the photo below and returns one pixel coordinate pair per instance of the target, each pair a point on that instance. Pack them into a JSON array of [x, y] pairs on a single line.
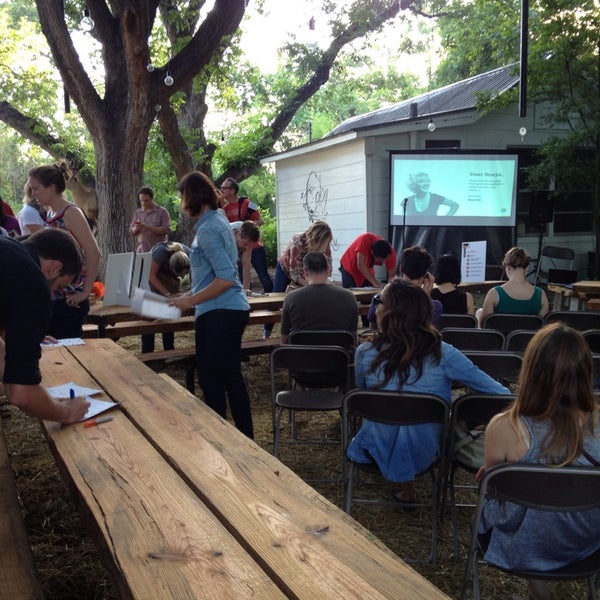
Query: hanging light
[[150, 67], [87, 23], [431, 126], [523, 132], [169, 81]]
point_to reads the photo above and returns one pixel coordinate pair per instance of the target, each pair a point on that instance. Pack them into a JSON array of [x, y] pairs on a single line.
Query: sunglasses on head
[[377, 299]]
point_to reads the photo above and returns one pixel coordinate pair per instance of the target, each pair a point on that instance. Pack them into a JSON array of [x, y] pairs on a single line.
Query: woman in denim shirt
[[219, 301]]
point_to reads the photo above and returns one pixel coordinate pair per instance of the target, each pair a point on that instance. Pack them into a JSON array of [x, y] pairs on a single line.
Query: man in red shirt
[[357, 263], [240, 208]]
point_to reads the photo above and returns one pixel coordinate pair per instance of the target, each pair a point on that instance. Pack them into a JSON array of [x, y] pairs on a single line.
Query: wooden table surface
[[109, 315], [183, 505]]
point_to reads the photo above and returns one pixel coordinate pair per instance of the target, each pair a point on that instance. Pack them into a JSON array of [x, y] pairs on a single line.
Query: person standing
[[31, 217], [319, 304], [29, 272], [170, 262], [357, 263], [71, 304], [246, 235], [240, 208], [151, 223], [9, 221], [219, 301]]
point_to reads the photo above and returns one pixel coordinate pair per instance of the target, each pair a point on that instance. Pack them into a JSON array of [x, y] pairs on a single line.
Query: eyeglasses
[[224, 187], [377, 299]]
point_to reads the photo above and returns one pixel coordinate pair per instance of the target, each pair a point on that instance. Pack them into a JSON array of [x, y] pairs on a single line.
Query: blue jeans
[[280, 285], [219, 358], [348, 282], [259, 262]]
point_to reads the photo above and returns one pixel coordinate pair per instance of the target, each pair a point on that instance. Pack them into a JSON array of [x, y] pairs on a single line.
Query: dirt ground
[[67, 559]]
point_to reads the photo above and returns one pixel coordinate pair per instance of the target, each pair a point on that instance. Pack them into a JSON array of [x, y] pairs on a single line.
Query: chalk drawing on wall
[[314, 198]]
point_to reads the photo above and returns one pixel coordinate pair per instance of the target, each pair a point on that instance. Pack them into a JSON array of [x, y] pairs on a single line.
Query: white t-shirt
[[28, 215]]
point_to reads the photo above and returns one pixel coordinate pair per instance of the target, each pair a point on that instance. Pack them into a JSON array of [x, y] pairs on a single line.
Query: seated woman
[[408, 354], [447, 278], [554, 420], [517, 295]]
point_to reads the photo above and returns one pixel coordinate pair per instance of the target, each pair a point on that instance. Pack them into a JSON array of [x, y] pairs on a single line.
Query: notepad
[[96, 406], [153, 306]]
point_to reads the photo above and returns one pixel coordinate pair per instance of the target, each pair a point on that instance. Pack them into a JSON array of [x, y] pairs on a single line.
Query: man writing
[[29, 273], [320, 304], [357, 263]]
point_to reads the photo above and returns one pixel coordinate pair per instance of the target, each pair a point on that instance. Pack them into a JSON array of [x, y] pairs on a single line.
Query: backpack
[[468, 445], [249, 209]]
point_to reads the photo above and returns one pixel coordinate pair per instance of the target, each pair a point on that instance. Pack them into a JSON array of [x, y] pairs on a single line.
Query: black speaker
[[541, 209]]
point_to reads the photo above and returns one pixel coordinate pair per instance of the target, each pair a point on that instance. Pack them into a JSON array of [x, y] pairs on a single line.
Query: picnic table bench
[[18, 575], [183, 505]]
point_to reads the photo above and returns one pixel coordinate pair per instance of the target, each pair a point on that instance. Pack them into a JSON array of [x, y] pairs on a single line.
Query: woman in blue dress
[[554, 420], [408, 355], [220, 303]]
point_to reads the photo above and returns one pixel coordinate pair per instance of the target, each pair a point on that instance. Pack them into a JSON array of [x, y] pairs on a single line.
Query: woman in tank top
[[553, 421], [447, 278], [517, 295]]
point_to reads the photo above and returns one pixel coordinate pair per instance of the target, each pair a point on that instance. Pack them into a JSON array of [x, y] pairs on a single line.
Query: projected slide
[[453, 189]]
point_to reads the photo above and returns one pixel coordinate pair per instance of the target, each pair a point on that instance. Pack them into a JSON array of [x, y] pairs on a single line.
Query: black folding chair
[[456, 320], [402, 409], [469, 416], [592, 337], [465, 338], [501, 366], [548, 259], [324, 337], [549, 489], [517, 340], [509, 322], [577, 319], [317, 378]]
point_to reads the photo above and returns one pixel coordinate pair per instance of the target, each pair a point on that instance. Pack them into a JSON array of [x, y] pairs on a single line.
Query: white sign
[[472, 263]]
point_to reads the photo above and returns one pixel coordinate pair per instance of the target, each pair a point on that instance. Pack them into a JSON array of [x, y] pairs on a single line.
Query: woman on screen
[[423, 202]]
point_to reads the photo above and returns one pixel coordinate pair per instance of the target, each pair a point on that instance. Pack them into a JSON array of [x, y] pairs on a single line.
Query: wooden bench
[[18, 575], [187, 357], [141, 327], [185, 506]]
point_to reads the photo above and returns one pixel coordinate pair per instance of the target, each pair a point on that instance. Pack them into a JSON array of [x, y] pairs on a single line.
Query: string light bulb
[[87, 23], [523, 132], [150, 67], [169, 81], [431, 126]]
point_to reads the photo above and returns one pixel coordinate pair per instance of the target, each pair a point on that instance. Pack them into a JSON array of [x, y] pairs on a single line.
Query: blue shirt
[[214, 254], [401, 452]]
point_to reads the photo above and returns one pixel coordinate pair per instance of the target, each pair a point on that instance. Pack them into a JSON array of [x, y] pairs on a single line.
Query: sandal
[[407, 505]]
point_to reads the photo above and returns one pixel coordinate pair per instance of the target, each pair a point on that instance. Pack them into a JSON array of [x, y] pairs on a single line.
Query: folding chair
[[402, 409], [548, 259], [551, 489], [470, 413], [494, 273], [502, 366], [592, 337], [465, 338], [324, 337], [318, 376], [509, 322], [581, 320], [517, 340], [456, 320]]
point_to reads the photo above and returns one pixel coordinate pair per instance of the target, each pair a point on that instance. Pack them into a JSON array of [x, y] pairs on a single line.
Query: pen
[[97, 421], [71, 393]]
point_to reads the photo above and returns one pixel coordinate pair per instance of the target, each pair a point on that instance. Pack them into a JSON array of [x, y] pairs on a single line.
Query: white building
[[344, 178]]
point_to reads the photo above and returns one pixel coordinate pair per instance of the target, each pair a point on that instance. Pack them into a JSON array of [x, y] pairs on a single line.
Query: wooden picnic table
[[263, 309], [182, 505]]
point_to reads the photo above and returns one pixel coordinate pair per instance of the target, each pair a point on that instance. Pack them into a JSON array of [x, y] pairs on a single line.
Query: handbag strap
[[591, 458]]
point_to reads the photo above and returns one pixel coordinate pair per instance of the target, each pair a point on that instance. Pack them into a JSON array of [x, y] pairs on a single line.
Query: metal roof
[[455, 97]]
